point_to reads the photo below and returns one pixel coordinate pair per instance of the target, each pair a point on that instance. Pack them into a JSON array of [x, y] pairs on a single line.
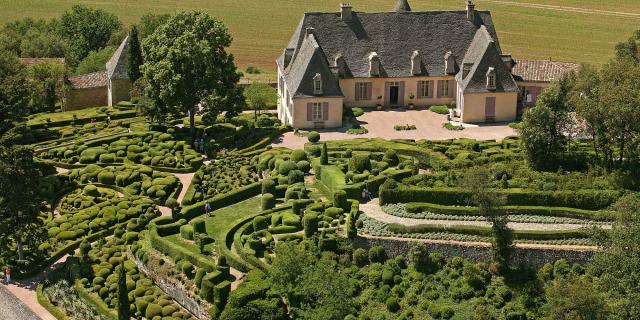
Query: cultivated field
[[572, 30]]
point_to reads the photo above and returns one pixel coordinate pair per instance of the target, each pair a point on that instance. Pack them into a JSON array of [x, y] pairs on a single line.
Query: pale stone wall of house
[[85, 98], [299, 115], [473, 108], [348, 87], [285, 103], [119, 91]]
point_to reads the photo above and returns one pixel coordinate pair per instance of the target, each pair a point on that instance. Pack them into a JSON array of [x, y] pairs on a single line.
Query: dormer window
[[374, 65], [491, 79], [317, 84]]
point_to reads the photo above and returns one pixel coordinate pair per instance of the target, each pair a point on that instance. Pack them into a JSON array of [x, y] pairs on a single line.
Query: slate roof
[[90, 80], [117, 65], [542, 70], [310, 61], [482, 55], [394, 36]]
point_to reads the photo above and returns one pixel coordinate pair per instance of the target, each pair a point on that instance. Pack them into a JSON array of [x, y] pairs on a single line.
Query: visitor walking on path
[[7, 275], [366, 194], [207, 209]]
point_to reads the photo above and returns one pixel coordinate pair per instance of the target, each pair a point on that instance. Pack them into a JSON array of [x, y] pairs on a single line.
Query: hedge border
[[487, 232], [46, 303], [221, 200], [95, 301], [71, 166], [61, 123]]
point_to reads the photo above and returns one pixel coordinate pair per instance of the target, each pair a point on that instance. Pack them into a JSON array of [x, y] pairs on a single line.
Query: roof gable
[[118, 64], [309, 62]]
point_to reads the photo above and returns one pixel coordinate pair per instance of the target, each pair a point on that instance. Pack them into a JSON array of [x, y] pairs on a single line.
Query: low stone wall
[[525, 257], [176, 292]]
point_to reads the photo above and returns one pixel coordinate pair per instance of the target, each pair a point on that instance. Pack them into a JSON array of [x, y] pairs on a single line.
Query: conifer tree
[[135, 56]]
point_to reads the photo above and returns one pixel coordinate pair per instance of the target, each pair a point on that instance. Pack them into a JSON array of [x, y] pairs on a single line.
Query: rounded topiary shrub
[[186, 232], [268, 186], [340, 200], [297, 206], [303, 166], [268, 201], [377, 254], [295, 176], [260, 223], [153, 310], [360, 163], [313, 136], [199, 226], [91, 190], [392, 304], [360, 257], [107, 177], [286, 166], [298, 155], [391, 157]]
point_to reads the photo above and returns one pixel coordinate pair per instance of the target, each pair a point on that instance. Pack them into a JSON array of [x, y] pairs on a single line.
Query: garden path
[[11, 308], [25, 291], [375, 211], [185, 179]]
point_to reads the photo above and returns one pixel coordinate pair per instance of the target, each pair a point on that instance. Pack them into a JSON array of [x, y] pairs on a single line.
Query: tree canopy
[[188, 68], [14, 90], [135, 55]]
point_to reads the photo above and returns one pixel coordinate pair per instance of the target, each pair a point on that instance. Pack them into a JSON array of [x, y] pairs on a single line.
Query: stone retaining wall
[[529, 257], [176, 292]]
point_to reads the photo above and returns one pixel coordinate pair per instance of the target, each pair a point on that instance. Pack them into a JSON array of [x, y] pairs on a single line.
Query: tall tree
[[95, 61], [124, 312], [14, 91], [618, 265], [188, 68], [46, 82], [477, 182], [258, 96], [86, 30], [630, 49], [574, 297], [545, 127], [149, 22], [135, 55], [20, 203]]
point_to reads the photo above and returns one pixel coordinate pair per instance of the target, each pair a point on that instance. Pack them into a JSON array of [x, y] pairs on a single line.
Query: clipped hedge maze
[[149, 148]]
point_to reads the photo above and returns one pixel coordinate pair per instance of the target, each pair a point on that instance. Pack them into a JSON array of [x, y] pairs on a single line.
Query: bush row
[[487, 232], [581, 199]]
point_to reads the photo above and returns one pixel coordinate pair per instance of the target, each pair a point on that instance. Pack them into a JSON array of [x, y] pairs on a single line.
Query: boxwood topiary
[[153, 310], [186, 232], [298, 155], [313, 136], [310, 224], [340, 200], [286, 166], [268, 186], [106, 177], [268, 201]]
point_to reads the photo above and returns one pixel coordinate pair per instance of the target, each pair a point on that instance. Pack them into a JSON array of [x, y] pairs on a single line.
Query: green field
[[568, 30]]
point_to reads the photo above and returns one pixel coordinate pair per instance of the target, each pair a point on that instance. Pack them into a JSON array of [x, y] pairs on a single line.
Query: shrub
[[199, 226], [260, 223], [392, 304], [268, 186], [286, 166], [297, 206], [439, 109], [268, 201], [310, 224], [91, 190], [303, 166], [153, 310], [340, 200], [106, 177], [298, 155], [357, 111], [360, 163], [377, 254], [313, 136], [324, 155], [360, 257], [186, 232], [452, 127]]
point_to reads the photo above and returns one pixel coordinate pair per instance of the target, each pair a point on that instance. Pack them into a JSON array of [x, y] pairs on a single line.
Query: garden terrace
[[155, 149], [242, 132], [78, 117], [129, 179], [224, 174], [94, 274]]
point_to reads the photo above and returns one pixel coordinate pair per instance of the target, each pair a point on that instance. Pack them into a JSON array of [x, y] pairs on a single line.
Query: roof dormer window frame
[[491, 79], [317, 84]]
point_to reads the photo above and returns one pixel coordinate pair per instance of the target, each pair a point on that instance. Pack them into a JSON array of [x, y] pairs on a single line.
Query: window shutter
[[309, 111], [325, 111], [369, 90], [452, 88], [357, 92], [419, 90], [430, 89]]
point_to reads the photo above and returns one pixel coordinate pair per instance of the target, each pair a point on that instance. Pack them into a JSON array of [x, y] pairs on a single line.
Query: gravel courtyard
[[380, 125]]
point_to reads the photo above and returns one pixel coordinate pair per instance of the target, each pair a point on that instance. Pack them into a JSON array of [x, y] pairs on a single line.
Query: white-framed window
[[445, 88], [316, 111], [317, 84], [491, 79], [362, 90], [424, 89]]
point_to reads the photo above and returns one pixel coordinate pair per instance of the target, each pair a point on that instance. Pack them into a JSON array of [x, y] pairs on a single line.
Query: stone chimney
[[450, 66], [471, 11], [309, 31], [402, 6], [508, 60], [346, 13]]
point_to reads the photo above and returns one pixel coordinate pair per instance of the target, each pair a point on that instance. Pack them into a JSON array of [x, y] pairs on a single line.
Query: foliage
[[439, 109], [14, 91], [95, 60], [86, 30], [260, 96], [135, 56], [149, 22], [543, 129], [123, 300], [186, 64], [324, 155], [452, 127], [46, 87], [313, 136], [407, 127], [574, 297], [477, 183]]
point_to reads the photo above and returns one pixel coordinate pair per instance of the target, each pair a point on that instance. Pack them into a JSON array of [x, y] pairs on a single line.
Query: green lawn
[[224, 218], [571, 30], [68, 115]]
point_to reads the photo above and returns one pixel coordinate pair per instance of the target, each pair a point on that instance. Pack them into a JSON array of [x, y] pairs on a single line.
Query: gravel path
[[375, 211], [185, 179], [11, 308]]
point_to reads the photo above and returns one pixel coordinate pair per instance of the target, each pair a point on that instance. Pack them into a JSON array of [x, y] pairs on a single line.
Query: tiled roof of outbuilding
[[28, 62], [90, 80], [542, 70]]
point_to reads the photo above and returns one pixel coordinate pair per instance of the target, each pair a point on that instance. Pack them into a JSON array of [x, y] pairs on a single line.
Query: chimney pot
[[346, 12]]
